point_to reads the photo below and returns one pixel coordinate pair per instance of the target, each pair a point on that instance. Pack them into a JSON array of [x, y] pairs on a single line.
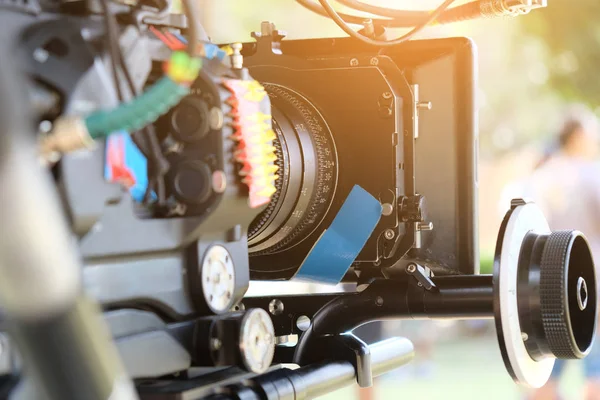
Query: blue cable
[[181, 38]]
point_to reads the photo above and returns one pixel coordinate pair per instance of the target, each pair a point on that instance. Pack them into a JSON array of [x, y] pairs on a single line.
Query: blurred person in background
[[566, 186]]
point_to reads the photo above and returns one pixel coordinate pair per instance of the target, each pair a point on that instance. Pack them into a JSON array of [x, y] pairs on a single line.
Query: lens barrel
[[307, 181]]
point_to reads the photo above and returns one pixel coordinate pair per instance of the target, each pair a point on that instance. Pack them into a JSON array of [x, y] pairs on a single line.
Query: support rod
[[318, 379], [459, 297]]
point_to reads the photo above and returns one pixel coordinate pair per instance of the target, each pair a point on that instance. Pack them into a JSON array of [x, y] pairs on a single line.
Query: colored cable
[[145, 109], [194, 28], [407, 18], [381, 43], [395, 18]]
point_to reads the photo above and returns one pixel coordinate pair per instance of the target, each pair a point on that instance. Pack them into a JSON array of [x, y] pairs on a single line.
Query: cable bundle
[[393, 18]]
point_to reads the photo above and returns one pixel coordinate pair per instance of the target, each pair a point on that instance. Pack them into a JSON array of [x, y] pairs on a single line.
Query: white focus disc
[[523, 218], [218, 280]]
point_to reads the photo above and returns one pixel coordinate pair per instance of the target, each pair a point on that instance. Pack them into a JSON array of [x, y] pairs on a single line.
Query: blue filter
[[337, 248]]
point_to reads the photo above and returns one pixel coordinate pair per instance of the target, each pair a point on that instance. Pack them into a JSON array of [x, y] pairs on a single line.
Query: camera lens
[[189, 120], [307, 163]]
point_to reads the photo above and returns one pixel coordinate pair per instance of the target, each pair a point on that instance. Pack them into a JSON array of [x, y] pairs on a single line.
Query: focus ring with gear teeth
[[259, 223], [309, 172]]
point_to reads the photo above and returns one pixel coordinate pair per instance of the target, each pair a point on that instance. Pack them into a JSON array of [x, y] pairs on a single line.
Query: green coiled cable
[[141, 111]]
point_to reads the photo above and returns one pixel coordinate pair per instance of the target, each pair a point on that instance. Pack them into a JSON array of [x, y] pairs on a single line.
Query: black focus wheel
[[556, 295], [567, 294]]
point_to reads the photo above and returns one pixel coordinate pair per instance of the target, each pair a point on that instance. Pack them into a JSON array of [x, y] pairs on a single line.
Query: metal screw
[[374, 61], [412, 268], [45, 126], [425, 226], [354, 62], [219, 181], [237, 60], [379, 301], [216, 344], [424, 105], [215, 118], [40, 55], [369, 28], [387, 209], [266, 28], [86, 34], [387, 95], [276, 307], [389, 234], [303, 323], [175, 148], [524, 336], [178, 209]]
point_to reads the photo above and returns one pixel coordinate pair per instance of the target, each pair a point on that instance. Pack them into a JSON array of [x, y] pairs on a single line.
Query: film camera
[[183, 176]]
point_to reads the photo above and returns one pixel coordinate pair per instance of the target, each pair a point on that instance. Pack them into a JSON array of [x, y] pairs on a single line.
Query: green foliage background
[[570, 31]]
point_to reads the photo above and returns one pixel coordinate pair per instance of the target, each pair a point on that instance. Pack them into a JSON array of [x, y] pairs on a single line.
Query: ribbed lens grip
[[553, 292]]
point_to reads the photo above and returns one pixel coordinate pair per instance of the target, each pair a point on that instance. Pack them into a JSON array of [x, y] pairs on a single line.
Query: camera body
[[343, 116], [359, 162]]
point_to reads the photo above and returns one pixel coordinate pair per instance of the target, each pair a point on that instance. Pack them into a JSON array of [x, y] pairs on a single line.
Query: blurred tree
[[570, 31]]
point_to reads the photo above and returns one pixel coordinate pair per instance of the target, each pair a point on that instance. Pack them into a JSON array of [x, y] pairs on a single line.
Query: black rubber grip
[[553, 295]]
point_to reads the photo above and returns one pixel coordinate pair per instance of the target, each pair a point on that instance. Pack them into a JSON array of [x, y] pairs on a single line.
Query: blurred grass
[[486, 262]]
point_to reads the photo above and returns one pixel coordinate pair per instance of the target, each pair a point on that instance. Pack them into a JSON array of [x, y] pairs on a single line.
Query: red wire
[[178, 44], [166, 40]]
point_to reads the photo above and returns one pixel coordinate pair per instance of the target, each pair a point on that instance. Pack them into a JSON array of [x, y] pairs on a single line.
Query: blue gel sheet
[[337, 248]]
